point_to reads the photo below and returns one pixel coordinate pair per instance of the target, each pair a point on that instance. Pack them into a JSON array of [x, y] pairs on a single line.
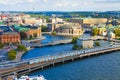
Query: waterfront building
[[34, 31], [88, 22], [53, 27], [70, 29], [111, 35], [9, 37], [85, 43]]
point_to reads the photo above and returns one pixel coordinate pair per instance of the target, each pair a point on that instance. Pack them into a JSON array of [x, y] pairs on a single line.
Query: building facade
[[9, 37], [85, 43]]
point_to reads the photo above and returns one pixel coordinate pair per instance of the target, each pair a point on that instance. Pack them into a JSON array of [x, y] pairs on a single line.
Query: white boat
[[31, 78]]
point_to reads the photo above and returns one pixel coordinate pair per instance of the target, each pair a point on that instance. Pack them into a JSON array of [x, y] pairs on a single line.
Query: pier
[[25, 66]]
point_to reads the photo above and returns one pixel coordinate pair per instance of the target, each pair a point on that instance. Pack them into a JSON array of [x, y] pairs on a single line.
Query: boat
[[31, 78]]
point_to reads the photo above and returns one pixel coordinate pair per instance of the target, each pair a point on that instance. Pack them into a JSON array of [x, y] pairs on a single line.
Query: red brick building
[[10, 37]]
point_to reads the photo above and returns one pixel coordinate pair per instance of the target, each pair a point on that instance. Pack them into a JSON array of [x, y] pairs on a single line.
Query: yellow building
[[87, 22], [35, 32]]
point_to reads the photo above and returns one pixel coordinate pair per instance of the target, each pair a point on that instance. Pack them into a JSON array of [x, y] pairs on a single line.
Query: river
[[104, 67]]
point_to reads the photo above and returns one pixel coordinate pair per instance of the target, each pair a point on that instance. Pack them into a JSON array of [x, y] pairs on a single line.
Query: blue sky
[[59, 5]]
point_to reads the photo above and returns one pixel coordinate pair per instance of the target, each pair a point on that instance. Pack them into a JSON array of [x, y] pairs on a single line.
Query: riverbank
[[63, 34], [20, 54]]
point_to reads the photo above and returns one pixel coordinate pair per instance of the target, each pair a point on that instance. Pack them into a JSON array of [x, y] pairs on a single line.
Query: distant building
[[55, 20], [88, 22], [29, 21], [9, 37], [85, 43], [70, 29], [53, 27]]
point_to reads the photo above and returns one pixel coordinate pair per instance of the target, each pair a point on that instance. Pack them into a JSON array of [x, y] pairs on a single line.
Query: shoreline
[[20, 54], [62, 34]]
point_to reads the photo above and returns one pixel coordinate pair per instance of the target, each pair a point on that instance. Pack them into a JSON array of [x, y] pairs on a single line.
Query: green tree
[[97, 43], [23, 35], [35, 35], [95, 31], [21, 48], [54, 33], [117, 32], [67, 19], [1, 45], [31, 36], [74, 40], [44, 28], [12, 54]]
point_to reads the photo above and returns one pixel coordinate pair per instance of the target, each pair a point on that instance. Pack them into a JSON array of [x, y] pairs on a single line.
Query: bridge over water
[[28, 65]]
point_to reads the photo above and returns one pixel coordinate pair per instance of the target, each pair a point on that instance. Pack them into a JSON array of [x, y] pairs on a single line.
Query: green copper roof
[[19, 28]]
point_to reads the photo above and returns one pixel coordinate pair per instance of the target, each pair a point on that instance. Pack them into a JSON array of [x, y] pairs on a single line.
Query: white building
[[85, 43]]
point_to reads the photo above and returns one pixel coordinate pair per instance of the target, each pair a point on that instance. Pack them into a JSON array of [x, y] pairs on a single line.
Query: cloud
[[45, 0], [108, 1], [59, 5], [74, 4], [30, 0]]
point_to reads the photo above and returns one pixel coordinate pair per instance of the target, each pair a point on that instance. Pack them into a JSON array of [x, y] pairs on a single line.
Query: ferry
[[31, 78]]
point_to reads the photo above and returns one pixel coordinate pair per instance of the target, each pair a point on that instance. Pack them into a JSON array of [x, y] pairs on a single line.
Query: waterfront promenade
[[25, 66]]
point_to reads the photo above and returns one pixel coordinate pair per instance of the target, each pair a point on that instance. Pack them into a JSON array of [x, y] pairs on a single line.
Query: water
[[50, 38], [47, 51], [103, 67]]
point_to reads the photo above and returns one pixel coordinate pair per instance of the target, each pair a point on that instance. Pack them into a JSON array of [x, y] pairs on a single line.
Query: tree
[[74, 40], [97, 43], [12, 54], [95, 31], [23, 35], [35, 35], [54, 33], [31, 36], [44, 28], [1, 45], [21, 48], [117, 31]]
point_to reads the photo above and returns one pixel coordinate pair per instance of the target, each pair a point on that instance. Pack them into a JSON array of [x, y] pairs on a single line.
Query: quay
[[25, 66]]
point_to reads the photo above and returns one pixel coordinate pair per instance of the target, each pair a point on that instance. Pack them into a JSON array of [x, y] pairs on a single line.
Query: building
[[70, 29], [29, 21], [31, 31], [111, 35], [85, 43], [88, 22], [53, 27], [9, 37], [34, 32], [55, 20]]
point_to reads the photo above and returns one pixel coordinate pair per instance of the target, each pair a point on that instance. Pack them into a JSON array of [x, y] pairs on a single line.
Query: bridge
[[52, 43], [28, 65]]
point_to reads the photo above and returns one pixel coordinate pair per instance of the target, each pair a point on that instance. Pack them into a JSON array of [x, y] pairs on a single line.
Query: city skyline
[[63, 5]]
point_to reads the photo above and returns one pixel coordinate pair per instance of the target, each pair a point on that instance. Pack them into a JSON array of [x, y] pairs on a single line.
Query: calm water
[[104, 67], [50, 38]]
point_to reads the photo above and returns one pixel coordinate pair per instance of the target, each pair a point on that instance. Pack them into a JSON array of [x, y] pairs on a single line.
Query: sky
[[59, 5]]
